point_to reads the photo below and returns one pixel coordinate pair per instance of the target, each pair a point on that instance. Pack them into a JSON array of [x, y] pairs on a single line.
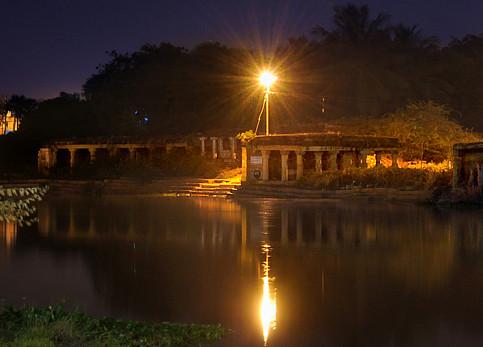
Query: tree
[[425, 130], [20, 105], [353, 25]]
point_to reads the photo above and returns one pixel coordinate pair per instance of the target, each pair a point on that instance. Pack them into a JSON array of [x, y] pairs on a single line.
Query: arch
[[226, 143], [275, 166], [123, 154], [309, 163], [325, 161], [63, 158], [82, 157], [102, 155], [142, 154], [292, 166]]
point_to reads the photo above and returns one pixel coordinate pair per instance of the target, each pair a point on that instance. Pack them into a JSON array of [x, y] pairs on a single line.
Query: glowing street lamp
[[266, 80]]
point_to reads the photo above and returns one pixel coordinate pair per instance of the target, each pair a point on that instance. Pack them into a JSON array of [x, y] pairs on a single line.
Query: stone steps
[[168, 187], [207, 188]]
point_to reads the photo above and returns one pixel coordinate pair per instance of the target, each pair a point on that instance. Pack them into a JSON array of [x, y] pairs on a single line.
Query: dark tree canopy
[[362, 66]]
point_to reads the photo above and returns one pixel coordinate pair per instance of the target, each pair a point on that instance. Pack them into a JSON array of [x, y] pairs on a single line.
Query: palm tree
[[412, 37], [353, 24]]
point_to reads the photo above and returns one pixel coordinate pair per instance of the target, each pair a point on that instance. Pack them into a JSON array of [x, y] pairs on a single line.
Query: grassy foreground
[[54, 326]]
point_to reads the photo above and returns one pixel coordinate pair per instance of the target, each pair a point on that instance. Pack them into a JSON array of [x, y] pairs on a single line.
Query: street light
[[266, 80]]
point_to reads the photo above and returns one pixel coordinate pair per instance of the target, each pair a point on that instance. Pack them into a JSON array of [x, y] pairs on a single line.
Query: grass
[[55, 326]]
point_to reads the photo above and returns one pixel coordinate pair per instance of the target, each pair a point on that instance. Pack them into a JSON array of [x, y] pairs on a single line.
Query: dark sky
[[50, 46]]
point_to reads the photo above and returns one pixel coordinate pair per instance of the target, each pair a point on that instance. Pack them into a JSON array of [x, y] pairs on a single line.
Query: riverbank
[[197, 187], [292, 192], [55, 326], [218, 187]]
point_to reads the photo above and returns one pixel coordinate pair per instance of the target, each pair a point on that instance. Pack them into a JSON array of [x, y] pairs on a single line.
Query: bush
[[380, 178], [168, 165], [54, 326]]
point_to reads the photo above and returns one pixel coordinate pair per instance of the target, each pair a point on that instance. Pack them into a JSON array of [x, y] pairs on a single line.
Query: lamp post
[[266, 80]]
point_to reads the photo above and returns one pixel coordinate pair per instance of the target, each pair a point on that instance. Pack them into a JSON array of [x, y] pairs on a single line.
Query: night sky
[[50, 46]]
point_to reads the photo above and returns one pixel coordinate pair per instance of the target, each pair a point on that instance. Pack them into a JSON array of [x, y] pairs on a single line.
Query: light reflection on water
[[341, 267], [8, 233], [268, 305]]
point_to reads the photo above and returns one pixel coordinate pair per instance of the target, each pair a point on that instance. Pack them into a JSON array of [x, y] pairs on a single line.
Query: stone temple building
[[288, 157], [75, 152], [468, 166]]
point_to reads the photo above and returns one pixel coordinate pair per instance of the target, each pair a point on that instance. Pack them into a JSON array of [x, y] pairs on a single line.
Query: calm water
[[339, 273]]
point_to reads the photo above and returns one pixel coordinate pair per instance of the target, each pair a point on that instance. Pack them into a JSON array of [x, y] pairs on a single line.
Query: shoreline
[[381, 194], [183, 187]]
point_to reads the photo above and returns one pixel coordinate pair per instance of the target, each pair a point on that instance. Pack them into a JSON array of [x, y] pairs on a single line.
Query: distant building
[[8, 123], [288, 157]]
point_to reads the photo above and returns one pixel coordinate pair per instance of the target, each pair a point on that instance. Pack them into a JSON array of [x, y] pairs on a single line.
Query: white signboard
[[256, 160]]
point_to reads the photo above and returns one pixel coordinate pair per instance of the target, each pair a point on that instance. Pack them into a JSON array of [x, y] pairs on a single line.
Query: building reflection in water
[[268, 304], [334, 261], [8, 232]]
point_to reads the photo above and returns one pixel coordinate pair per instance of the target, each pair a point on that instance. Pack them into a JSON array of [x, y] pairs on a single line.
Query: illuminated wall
[[8, 123]]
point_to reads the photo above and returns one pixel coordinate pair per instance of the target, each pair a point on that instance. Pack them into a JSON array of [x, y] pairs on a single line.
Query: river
[[276, 272]]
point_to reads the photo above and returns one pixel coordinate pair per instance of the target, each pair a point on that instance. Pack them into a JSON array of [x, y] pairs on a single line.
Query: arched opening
[[142, 154], [63, 158], [123, 154], [309, 163], [226, 143], [292, 166], [275, 166], [102, 155], [325, 161], [340, 161], [209, 148], [82, 157]]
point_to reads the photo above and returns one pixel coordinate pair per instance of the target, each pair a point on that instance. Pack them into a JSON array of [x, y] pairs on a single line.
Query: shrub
[[378, 177], [54, 326]]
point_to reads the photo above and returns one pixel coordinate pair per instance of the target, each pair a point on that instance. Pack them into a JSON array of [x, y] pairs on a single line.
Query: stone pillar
[[132, 153], [345, 160], [203, 148], [363, 158], [265, 157], [244, 162], [300, 164], [333, 160], [378, 159], [318, 162], [72, 157], [284, 160], [92, 154], [394, 157], [213, 147], [44, 159], [53, 159]]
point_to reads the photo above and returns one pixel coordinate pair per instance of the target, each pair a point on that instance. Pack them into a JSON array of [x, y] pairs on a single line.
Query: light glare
[[267, 79]]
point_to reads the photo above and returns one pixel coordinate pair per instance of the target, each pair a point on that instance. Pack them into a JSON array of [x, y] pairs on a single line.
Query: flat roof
[[326, 140], [469, 145]]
